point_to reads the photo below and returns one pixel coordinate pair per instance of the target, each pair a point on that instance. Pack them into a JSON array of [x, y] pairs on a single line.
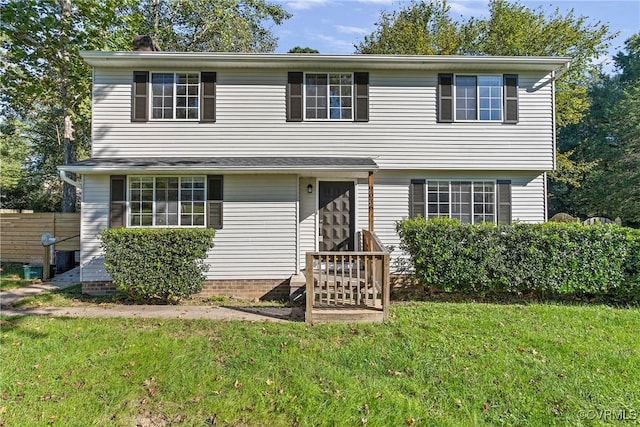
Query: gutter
[[560, 71], [65, 178], [280, 61]]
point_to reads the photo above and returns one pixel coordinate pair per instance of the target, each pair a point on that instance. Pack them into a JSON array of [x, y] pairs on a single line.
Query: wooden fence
[[20, 234]]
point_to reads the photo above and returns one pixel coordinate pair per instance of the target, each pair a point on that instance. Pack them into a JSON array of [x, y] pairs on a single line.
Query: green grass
[[432, 364], [73, 297], [12, 276]]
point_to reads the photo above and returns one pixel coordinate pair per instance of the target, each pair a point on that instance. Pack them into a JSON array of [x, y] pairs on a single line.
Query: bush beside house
[[163, 264], [550, 258]]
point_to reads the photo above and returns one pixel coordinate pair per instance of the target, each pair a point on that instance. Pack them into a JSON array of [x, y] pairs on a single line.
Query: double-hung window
[[478, 98], [492, 98], [186, 96], [175, 96], [329, 96], [467, 201], [167, 201]]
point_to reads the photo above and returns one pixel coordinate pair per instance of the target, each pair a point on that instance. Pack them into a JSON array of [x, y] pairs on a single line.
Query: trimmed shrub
[[552, 258], [162, 264]]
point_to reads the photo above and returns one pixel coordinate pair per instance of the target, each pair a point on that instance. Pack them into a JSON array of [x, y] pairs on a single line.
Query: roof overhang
[[217, 60], [312, 166]]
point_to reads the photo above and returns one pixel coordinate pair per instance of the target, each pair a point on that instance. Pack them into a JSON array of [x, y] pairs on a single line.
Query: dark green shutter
[[118, 201], [208, 96], [215, 186], [294, 96], [510, 83], [361, 111], [445, 98], [417, 195], [139, 97], [503, 198]]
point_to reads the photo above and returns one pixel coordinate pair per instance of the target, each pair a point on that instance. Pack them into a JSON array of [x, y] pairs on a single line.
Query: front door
[[337, 217]]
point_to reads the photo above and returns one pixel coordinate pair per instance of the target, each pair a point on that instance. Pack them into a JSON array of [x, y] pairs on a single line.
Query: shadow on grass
[[73, 296], [18, 324], [416, 293], [293, 314]]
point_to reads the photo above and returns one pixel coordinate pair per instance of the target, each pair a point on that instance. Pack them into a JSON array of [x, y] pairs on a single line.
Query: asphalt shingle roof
[[227, 162]]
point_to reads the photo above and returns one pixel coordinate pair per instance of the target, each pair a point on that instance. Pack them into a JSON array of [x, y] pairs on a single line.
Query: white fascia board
[[147, 60], [143, 170]]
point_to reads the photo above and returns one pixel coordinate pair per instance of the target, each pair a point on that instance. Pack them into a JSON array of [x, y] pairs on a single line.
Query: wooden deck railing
[[349, 279]]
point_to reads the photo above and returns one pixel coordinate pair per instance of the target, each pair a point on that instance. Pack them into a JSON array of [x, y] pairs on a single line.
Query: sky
[[335, 26]]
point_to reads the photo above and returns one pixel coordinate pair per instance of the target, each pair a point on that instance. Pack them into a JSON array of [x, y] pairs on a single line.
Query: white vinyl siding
[[258, 240], [94, 217], [402, 132], [307, 227]]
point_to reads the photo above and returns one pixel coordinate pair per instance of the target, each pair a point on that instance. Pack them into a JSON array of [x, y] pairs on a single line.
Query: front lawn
[[432, 364]]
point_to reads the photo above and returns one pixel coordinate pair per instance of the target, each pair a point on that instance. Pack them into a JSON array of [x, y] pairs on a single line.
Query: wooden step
[[345, 315]]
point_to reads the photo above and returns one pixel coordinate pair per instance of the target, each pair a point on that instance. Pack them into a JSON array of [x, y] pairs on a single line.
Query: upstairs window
[[175, 96], [329, 96], [478, 98]]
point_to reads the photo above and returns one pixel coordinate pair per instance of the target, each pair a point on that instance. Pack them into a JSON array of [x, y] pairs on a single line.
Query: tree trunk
[[68, 143], [69, 152]]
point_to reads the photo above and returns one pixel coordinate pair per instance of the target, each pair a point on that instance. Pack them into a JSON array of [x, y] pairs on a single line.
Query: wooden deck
[[348, 286]]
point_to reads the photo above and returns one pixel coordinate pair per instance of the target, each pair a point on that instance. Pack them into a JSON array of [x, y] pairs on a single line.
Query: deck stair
[[348, 286]]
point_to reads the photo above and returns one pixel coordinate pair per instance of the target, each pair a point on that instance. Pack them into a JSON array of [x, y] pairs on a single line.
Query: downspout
[[65, 178], [555, 75], [553, 116]]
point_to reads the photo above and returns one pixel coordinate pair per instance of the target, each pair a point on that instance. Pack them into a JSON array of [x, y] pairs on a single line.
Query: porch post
[[371, 201]]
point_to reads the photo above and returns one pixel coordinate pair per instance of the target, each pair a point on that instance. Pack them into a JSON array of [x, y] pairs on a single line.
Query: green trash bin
[[32, 271]]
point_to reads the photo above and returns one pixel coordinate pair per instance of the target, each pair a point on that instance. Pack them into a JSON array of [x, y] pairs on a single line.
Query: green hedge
[[552, 258], [165, 264]]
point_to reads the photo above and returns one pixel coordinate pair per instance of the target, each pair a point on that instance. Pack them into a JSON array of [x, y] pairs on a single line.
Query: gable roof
[[219, 60]]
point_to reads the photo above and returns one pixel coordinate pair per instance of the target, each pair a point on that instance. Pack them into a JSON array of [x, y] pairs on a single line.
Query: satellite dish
[[47, 239]]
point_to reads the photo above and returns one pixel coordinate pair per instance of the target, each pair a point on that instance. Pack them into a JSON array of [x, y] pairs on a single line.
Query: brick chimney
[[144, 43]]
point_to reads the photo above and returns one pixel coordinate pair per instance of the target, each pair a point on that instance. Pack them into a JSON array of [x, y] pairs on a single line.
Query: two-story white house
[[289, 153]]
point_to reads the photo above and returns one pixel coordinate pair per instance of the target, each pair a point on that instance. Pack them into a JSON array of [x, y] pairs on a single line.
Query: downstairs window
[[166, 201], [468, 201]]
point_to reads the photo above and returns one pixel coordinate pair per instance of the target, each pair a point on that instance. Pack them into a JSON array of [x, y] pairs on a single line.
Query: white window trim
[[472, 181], [328, 119], [174, 119], [477, 76], [153, 214]]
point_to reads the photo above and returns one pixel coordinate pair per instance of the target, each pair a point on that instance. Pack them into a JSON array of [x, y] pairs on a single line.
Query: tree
[[609, 136], [211, 25], [421, 28], [46, 85], [299, 49]]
